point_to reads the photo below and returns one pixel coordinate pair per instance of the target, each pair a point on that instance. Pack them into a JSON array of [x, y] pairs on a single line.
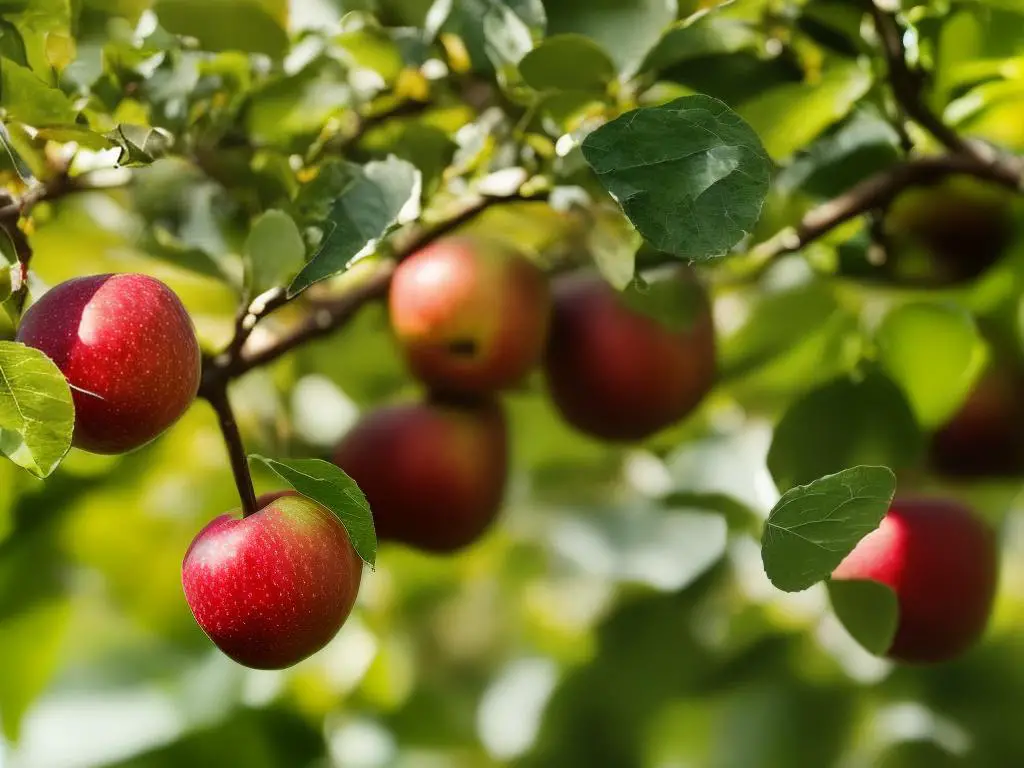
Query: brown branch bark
[[876, 192], [220, 403]]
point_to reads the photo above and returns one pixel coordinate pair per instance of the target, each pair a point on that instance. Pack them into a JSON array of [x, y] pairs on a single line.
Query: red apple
[[618, 374], [434, 473], [129, 351], [471, 316], [941, 561], [985, 438], [275, 587]]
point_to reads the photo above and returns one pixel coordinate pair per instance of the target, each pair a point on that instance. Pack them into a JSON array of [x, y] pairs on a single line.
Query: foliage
[[637, 606]]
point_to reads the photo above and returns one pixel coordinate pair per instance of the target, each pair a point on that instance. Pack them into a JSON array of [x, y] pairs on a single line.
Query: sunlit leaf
[[275, 250], [368, 205], [28, 99], [935, 353], [37, 415], [253, 26], [565, 63]]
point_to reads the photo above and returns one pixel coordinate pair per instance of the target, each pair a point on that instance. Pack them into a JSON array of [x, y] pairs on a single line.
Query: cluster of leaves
[[270, 150]]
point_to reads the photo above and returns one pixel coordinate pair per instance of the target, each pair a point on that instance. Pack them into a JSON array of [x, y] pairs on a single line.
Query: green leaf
[[841, 424], [613, 243], [34, 637], [298, 105], [496, 33], [37, 415], [365, 210], [224, 25], [675, 300], [777, 322], [788, 117], [140, 145], [935, 353], [274, 249], [700, 36], [813, 527], [330, 487], [868, 609], [691, 175], [567, 63], [28, 99], [627, 29]]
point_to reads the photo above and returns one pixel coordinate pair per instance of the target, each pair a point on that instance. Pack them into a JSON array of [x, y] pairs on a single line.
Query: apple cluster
[[473, 319]]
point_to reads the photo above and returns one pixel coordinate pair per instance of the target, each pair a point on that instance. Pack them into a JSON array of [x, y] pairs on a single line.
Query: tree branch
[[218, 400], [908, 85], [876, 192], [327, 317]]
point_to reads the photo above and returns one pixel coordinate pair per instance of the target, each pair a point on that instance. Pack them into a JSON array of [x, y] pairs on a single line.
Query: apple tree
[[476, 383]]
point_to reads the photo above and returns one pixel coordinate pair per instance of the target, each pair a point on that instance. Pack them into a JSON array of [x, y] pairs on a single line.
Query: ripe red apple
[[275, 587], [985, 438], [619, 374], [129, 351], [470, 315], [433, 472], [941, 561]]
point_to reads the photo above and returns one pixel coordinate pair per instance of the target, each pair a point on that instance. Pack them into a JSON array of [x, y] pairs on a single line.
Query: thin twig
[[876, 192], [322, 321], [327, 317], [218, 400], [908, 85]]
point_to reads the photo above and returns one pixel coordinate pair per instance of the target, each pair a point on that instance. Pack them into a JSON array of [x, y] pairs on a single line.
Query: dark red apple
[[129, 351], [942, 563], [434, 472], [470, 315], [275, 587], [985, 438], [619, 374]]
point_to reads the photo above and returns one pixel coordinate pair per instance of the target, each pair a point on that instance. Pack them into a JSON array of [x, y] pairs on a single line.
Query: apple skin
[[273, 588], [985, 438], [620, 375], [948, 233], [470, 315], [129, 351], [434, 473], [942, 563]]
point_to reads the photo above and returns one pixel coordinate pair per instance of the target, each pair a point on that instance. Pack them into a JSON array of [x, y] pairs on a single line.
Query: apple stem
[[236, 449]]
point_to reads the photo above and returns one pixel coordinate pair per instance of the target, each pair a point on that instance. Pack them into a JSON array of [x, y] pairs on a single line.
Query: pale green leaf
[[37, 415]]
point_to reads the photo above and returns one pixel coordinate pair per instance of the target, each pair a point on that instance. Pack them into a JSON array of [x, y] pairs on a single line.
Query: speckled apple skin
[[942, 563], [471, 316], [273, 588], [433, 473], [617, 374], [129, 351]]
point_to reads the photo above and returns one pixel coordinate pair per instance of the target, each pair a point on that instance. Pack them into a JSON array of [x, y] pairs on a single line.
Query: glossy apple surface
[[273, 588], [128, 349], [941, 561], [621, 375], [434, 473], [471, 316]]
